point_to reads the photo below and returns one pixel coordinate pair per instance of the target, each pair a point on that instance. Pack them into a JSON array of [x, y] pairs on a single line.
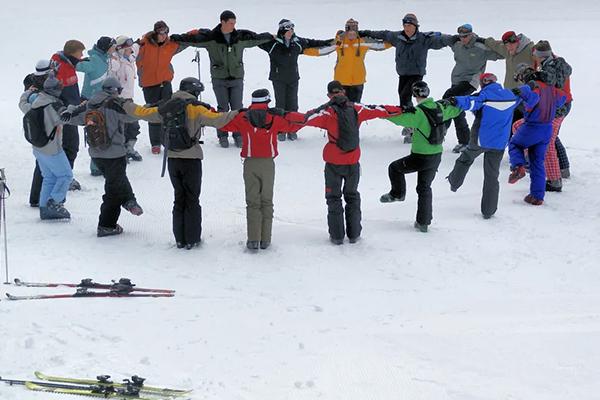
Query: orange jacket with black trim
[[350, 67], [154, 60]]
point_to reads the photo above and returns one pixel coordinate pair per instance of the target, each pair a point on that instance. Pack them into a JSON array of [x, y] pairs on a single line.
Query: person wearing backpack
[[35, 82], [493, 108], [428, 121], [104, 118], [259, 126], [182, 118], [43, 129], [342, 119]]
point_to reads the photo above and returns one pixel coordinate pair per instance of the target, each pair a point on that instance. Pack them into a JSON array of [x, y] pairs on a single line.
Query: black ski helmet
[[112, 86], [191, 85], [420, 89]]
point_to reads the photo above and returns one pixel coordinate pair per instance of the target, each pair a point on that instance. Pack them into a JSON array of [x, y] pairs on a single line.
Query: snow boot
[[459, 148], [94, 169], [224, 142], [74, 185], [238, 141], [292, 136], [103, 231], [281, 137], [264, 245], [565, 173], [335, 241], [190, 246], [516, 174], [133, 207], [54, 210], [388, 198], [420, 227], [533, 201], [252, 245], [554, 186]]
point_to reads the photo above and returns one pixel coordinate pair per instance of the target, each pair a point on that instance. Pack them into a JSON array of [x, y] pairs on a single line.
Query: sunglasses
[[288, 26], [127, 43]]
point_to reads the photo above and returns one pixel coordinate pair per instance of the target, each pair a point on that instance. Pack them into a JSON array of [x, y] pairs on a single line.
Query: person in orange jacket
[[351, 50], [156, 72]]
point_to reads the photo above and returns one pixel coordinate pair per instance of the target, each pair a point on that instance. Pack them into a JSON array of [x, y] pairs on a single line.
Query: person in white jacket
[[122, 67]]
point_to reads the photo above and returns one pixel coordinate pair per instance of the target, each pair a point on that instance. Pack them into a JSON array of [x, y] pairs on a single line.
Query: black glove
[[408, 109], [65, 116], [450, 101], [516, 91], [480, 40], [84, 59], [455, 38]]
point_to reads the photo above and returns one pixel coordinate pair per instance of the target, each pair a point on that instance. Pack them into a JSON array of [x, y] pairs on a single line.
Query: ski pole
[[197, 61], [4, 193]]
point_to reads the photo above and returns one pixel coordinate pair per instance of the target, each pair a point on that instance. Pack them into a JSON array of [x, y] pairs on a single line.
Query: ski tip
[[17, 281]]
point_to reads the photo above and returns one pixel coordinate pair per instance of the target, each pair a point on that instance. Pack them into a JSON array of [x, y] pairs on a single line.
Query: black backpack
[[34, 128], [435, 117], [175, 132], [348, 138]]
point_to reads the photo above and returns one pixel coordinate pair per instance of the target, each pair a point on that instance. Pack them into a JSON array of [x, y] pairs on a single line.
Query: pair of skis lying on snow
[[89, 288], [102, 387]]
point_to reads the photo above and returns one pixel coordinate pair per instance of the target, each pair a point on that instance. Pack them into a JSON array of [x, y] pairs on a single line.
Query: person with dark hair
[[493, 108], [225, 45], [65, 62], [534, 134], [342, 118], [283, 55], [156, 71], [412, 47], [471, 58], [259, 126], [185, 163], [424, 157]]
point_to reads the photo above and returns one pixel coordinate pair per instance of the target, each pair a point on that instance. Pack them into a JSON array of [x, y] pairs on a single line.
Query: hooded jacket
[[283, 55], [123, 69], [522, 55], [411, 52], [95, 71], [154, 60], [471, 59], [226, 59], [197, 116], [259, 129], [51, 118], [65, 73], [493, 108]]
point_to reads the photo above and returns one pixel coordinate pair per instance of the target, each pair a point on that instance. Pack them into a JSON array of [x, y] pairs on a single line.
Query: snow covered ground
[[502, 309]]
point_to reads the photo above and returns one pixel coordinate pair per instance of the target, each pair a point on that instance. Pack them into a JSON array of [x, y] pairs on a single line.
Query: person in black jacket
[[283, 53]]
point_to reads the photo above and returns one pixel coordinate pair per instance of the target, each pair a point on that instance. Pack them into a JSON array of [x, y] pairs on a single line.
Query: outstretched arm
[[251, 39], [194, 38]]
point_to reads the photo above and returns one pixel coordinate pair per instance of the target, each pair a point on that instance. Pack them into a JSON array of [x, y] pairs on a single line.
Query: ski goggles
[[287, 26], [163, 31], [510, 39], [127, 43]]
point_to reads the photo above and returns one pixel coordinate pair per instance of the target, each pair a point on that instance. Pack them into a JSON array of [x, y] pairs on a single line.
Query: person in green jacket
[[424, 158], [225, 46]]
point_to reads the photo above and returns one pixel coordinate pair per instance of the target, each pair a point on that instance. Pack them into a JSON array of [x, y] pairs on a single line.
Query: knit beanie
[[261, 96], [542, 49], [104, 43]]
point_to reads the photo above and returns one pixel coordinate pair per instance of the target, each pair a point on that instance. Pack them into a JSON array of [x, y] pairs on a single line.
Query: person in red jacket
[[342, 118], [259, 126]]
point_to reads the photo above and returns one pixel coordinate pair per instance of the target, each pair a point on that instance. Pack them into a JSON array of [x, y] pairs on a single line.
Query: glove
[[516, 91], [84, 59], [450, 101], [65, 116], [455, 38], [408, 109]]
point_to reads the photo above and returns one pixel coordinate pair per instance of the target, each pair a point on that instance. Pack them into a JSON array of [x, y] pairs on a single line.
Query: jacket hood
[[43, 99], [181, 94], [98, 98], [523, 42]]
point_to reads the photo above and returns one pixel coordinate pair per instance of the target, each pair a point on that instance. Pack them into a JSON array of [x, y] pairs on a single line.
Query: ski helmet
[[420, 89], [112, 86], [191, 85]]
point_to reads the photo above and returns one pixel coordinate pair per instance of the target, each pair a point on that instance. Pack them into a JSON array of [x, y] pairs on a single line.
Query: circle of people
[[524, 114]]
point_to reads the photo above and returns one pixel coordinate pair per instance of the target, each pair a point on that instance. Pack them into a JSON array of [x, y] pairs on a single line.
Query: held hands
[[65, 116], [450, 101], [408, 109]]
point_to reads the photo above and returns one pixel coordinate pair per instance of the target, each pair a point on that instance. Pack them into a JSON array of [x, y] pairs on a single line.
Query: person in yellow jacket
[[351, 49]]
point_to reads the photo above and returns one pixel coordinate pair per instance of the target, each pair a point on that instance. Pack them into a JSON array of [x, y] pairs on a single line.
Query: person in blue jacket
[[95, 71], [541, 101], [493, 107]]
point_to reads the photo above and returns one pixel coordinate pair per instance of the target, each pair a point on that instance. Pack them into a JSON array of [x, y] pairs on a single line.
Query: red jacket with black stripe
[[260, 142], [327, 119]]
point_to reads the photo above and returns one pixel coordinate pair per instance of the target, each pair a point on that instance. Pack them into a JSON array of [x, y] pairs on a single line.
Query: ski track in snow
[[474, 310]]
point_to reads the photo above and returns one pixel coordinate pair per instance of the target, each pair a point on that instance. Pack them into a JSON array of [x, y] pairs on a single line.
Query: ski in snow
[[85, 292], [122, 283]]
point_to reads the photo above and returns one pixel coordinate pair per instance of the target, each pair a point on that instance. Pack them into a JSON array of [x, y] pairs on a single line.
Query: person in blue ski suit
[[493, 107], [541, 101]]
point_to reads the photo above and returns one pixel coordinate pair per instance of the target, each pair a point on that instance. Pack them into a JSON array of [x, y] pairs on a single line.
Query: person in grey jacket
[[111, 160], [471, 58], [51, 158]]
